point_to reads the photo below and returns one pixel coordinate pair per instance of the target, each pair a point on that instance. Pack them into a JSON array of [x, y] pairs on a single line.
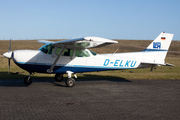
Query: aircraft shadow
[[17, 79], [102, 78]]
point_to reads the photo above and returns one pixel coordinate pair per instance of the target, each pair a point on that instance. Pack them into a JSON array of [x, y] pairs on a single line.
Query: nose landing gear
[[28, 80]]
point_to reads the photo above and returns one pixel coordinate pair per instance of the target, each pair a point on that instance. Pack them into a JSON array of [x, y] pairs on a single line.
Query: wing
[[82, 43], [45, 41]]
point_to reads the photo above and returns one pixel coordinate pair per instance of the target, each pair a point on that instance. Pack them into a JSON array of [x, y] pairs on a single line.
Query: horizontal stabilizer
[[158, 64], [167, 64]]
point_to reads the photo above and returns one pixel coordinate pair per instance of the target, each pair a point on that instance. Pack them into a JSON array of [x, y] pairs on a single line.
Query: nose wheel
[[27, 80]]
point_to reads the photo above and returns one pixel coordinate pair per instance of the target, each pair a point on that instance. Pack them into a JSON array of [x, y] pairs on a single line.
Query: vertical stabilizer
[[156, 52]]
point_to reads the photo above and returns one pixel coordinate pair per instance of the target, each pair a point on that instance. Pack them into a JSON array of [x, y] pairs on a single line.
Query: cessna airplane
[[72, 56]]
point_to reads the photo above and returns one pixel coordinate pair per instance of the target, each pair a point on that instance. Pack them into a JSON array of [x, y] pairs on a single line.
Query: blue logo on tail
[[157, 45]]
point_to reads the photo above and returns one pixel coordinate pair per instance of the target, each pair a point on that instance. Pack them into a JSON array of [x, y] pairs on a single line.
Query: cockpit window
[[67, 52], [48, 48]]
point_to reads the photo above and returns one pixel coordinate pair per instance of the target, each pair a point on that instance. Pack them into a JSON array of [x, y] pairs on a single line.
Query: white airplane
[[72, 56]]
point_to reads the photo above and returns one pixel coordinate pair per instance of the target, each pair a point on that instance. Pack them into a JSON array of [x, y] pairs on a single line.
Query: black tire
[[70, 82], [59, 77], [27, 80]]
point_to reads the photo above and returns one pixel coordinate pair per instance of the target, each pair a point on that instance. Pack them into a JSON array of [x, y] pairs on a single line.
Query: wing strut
[[52, 67]]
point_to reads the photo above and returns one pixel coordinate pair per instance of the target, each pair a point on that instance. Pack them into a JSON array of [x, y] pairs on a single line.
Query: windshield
[[46, 48]]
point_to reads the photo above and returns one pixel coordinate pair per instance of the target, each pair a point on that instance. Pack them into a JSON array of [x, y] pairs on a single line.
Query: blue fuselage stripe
[[42, 68], [151, 50]]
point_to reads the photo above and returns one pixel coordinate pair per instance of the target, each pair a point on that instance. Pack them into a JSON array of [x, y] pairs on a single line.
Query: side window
[[58, 50], [81, 53], [49, 49], [67, 52]]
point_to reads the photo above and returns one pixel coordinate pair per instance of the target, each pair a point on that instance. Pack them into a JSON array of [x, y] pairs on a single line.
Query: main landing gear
[[70, 82], [59, 77]]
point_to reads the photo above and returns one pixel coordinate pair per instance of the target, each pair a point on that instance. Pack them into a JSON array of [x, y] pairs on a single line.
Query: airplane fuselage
[[38, 61]]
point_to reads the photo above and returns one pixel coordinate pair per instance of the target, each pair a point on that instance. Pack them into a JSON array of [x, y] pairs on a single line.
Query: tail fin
[[156, 52]]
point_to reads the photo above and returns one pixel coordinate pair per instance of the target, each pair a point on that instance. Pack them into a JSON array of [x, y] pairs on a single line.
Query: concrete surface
[[90, 99]]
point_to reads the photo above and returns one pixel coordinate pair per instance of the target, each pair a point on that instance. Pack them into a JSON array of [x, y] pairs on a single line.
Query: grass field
[[162, 72]]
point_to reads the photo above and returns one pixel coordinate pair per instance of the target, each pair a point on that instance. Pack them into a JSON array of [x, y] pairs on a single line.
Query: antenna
[[115, 51]]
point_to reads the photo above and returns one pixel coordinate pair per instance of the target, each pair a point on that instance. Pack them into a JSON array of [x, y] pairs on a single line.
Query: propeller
[[9, 59], [8, 55]]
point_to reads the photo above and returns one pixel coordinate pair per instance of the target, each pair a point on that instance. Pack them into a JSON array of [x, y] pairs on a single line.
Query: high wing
[[82, 43], [79, 43]]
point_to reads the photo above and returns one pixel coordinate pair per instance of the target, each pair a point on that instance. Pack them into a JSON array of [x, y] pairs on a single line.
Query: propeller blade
[[9, 60], [9, 46]]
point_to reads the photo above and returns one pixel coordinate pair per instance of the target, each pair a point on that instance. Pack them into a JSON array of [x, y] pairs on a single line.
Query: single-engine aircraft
[[72, 56]]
